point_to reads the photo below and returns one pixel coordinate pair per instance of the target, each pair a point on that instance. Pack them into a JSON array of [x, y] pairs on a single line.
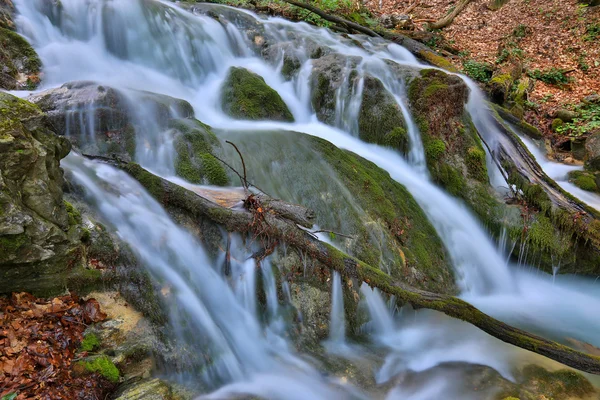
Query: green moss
[[73, 213], [89, 342], [9, 244], [451, 179], [194, 146], [476, 164], [379, 117], [104, 366], [557, 123], [434, 150], [388, 201], [559, 385], [504, 79], [17, 55], [397, 139], [151, 182], [129, 141], [584, 180], [543, 236], [247, 96], [437, 60], [86, 235]]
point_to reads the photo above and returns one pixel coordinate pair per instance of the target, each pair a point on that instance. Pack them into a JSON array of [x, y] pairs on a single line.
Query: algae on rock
[[247, 96], [38, 253]]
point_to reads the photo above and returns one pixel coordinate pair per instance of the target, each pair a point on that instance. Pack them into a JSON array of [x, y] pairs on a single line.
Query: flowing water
[[156, 47]]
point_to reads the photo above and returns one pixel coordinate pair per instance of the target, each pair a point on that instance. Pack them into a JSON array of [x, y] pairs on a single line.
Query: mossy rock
[[585, 180], [247, 96], [194, 144], [380, 119], [454, 153], [40, 246], [17, 57], [387, 227]]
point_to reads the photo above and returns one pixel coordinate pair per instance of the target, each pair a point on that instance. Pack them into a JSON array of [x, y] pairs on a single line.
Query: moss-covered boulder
[[19, 63], [38, 240], [454, 153], [380, 119], [585, 180], [194, 145], [247, 96], [387, 228]]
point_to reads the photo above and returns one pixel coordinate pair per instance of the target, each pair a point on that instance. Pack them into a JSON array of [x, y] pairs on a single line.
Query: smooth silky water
[[154, 46]]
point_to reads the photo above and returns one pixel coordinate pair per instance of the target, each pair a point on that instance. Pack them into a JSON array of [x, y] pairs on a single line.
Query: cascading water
[[146, 45]]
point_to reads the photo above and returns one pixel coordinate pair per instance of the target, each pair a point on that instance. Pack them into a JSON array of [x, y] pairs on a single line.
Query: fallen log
[[281, 229], [335, 19]]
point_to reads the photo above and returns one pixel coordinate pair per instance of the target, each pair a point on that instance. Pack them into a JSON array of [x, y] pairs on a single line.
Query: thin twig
[[240, 176], [245, 181]]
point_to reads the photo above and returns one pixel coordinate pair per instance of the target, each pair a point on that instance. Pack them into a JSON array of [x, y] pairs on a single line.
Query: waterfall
[[134, 47], [337, 327]]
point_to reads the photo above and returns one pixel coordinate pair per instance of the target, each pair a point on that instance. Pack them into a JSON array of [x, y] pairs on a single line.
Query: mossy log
[[280, 229]]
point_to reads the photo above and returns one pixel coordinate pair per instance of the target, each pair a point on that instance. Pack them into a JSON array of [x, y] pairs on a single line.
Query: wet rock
[[380, 119], [329, 73], [36, 239], [247, 96], [592, 147], [386, 226], [104, 121]]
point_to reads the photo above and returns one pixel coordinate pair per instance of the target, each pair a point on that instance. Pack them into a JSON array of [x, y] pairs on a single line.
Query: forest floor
[[559, 37]]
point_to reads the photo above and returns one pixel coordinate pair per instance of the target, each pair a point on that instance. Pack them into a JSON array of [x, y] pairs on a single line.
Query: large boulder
[[380, 119], [454, 152], [592, 148], [100, 120], [335, 79], [385, 225], [247, 96], [104, 121], [38, 234]]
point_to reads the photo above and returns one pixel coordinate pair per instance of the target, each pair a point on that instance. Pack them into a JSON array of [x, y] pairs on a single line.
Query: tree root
[[282, 229]]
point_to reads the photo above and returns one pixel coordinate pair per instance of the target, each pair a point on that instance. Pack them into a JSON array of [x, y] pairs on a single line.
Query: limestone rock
[[34, 221]]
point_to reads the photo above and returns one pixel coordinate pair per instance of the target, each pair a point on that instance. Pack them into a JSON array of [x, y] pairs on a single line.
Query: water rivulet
[[385, 151]]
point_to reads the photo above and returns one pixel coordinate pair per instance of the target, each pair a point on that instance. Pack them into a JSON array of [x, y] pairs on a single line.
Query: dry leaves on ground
[[38, 342]]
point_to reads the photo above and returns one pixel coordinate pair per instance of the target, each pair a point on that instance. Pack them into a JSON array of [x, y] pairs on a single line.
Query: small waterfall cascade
[[144, 46], [337, 326]]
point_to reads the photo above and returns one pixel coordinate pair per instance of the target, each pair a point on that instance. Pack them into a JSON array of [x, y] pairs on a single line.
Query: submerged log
[[277, 227]]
